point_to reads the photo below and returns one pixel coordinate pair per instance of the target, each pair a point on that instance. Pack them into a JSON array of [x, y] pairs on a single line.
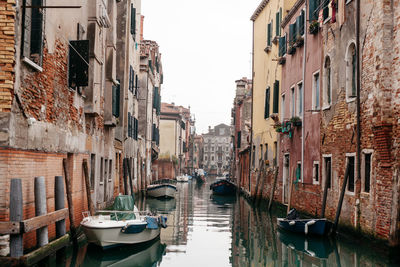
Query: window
[[78, 66], [133, 21], [101, 171], [293, 103], [278, 16], [327, 96], [212, 149], [366, 171], [314, 6], [298, 171], [283, 108], [221, 131], [276, 97], [325, 11], [282, 45], [267, 108], [351, 69], [300, 24], [32, 33], [269, 34], [92, 170], [205, 158], [205, 149], [212, 158], [299, 99], [266, 152], [131, 78], [292, 34], [275, 153], [261, 152], [316, 172], [328, 170], [316, 91], [239, 139], [350, 165], [219, 157], [115, 99], [105, 170]]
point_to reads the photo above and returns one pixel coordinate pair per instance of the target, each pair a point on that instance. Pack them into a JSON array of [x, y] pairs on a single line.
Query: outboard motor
[[293, 215]]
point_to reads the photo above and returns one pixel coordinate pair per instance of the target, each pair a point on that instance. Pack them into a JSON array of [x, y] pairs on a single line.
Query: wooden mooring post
[[87, 183], [16, 244], [17, 226], [68, 185]]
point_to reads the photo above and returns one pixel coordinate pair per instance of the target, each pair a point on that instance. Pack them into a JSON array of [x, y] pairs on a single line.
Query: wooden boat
[[305, 226], [122, 225], [223, 187], [162, 188]]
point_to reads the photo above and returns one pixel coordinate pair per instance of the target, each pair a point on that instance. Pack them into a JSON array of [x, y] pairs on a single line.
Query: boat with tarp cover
[[124, 224], [223, 187], [163, 188]]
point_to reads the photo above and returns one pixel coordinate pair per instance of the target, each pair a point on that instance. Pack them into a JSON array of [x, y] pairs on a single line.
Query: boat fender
[[307, 225], [292, 223], [162, 221]]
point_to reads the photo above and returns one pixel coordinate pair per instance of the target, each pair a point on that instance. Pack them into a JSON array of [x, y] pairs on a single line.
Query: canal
[[208, 230]]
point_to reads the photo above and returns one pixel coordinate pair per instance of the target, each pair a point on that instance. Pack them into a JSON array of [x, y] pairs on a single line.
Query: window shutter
[[325, 11], [136, 84], [78, 68], [267, 106], [239, 139], [133, 20], [301, 23], [136, 129], [129, 124], [36, 33], [115, 100], [276, 97], [292, 33], [313, 14], [282, 46], [269, 34], [277, 24]]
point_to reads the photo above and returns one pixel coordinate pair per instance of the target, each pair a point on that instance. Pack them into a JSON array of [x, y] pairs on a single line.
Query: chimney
[[141, 27]]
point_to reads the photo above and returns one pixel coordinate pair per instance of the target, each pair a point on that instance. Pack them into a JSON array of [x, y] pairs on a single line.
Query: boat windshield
[[123, 203]]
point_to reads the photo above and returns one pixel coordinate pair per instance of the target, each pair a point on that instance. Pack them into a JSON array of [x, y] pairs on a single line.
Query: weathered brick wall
[[27, 165], [7, 56], [166, 169]]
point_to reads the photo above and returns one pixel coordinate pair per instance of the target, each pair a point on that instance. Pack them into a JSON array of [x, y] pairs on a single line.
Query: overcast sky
[[205, 46]]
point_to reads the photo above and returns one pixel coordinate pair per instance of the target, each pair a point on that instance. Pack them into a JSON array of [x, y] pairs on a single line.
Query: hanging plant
[[314, 27]]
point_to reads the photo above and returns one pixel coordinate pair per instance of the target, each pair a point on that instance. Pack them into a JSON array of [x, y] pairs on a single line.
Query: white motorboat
[[122, 225], [182, 178], [162, 188]]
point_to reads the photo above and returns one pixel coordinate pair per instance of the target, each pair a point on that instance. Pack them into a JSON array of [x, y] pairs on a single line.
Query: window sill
[[101, 183], [315, 182], [349, 100], [326, 107], [350, 193], [32, 64]]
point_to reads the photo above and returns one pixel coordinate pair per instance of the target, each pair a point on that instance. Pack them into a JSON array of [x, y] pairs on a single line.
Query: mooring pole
[[339, 208], [70, 201], [328, 170], [87, 183], [16, 215], [59, 204], [124, 167], [273, 189], [42, 234]]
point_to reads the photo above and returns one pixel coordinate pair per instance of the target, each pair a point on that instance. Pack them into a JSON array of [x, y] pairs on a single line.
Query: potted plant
[[296, 121], [281, 60], [299, 41], [291, 49], [314, 27], [278, 129], [278, 126]]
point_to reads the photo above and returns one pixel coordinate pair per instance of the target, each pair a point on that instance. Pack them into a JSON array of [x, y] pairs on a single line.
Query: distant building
[[217, 143]]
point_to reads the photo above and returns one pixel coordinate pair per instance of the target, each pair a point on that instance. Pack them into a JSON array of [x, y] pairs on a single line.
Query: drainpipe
[[358, 165], [252, 104], [303, 91]]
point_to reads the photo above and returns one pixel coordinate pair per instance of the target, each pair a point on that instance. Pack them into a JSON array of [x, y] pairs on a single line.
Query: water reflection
[[211, 230]]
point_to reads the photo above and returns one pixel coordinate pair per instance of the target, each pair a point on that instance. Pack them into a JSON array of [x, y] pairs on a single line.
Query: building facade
[[217, 149]]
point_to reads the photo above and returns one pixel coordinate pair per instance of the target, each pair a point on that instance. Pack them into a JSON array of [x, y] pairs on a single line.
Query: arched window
[[327, 95], [351, 69]]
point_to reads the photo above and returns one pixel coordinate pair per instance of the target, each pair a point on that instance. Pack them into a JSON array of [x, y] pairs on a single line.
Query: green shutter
[[267, 106], [282, 46], [312, 10], [115, 100], [133, 20], [301, 23], [277, 24], [269, 34], [276, 97]]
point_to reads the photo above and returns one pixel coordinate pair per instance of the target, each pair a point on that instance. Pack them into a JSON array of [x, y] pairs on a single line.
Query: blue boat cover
[[152, 222], [162, 221]]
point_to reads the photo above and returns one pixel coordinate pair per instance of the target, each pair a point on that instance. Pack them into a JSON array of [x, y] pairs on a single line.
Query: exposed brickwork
[[27, 165], [7, 54]]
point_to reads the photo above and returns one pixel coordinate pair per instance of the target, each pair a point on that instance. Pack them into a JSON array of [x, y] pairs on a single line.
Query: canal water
[[208, 230]]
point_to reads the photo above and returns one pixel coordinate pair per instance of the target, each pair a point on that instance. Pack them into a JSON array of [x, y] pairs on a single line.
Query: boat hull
[[305, 226], [162, 190], [223, 187], [111, 236]]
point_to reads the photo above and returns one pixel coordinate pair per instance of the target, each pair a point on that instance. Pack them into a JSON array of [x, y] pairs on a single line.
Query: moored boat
[[223, 187], [182, 178], [122, 225], [162, 188], [305, 226]]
